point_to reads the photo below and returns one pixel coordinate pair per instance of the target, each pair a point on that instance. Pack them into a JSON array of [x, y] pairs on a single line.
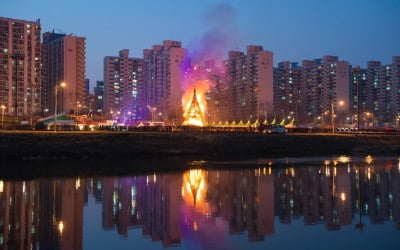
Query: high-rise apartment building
[[20, 58], [324, 87], [358, 93], [250, 77], [211, 90], [122, 79], [218, 94], [161, 92], [63, 61], [287, 101], [378, 92], [99, 95]]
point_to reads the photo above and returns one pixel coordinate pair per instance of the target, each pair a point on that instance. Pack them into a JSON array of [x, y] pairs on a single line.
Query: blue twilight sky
[[355, 30]]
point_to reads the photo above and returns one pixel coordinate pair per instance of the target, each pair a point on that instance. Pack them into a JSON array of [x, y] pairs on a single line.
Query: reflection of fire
[[194, 107], [194, 186]]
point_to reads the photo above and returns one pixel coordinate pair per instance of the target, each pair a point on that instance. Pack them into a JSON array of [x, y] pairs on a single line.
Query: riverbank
[[116, 145]]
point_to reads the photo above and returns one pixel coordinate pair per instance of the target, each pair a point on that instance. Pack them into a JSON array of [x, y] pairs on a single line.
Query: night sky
[[356, 31]]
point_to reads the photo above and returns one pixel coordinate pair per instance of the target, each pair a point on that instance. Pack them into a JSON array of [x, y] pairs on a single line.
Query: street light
[[2, 115], [341, 103], [61, 227], [78, 105], [257, 91], [152, 110], [398, 121], [373, 118], [62, 85]]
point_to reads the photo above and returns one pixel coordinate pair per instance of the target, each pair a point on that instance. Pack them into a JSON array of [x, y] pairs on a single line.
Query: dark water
[[268, 204]]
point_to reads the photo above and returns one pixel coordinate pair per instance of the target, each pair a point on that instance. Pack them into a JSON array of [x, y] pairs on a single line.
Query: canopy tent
[[256, 123]]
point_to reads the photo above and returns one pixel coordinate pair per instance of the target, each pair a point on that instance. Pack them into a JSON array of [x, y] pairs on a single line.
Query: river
[[286, 203]]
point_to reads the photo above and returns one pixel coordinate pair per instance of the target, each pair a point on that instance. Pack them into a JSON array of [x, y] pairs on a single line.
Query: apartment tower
[[20, 58], [287, 100], [122, 77], [161, 93], [250, 76], [63, 61], [324, 88]]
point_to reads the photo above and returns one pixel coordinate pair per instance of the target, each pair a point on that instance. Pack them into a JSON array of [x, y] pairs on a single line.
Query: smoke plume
[[220, 35]]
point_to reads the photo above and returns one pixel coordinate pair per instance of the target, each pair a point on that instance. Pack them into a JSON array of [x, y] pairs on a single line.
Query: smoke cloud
[[220, 35]]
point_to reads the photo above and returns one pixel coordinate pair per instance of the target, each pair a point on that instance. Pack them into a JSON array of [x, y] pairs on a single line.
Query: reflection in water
[[48, 213]]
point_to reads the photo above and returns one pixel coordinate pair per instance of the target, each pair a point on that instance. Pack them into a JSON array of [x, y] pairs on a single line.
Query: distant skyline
[[356, 31]]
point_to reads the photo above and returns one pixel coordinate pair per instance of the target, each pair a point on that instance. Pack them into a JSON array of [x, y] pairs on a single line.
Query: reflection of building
[[230, 202], [61, 214], [45, 213], [344, 196], [396, 196], [248, 206], [18, 218], [147, 201]]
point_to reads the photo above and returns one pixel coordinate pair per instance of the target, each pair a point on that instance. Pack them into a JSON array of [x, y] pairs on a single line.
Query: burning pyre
[[193, 114]]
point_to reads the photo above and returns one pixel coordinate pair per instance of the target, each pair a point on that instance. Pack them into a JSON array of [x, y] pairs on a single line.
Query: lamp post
[[373, 118], [129, 116], [152, 110], [78, 105], [62, 85], [341, 103], [2, 115], [397, 121], [17, 56], [257, 91]]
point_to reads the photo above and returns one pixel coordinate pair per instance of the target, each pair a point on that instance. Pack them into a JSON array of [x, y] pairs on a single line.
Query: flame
[[194, 187], [196, 94]]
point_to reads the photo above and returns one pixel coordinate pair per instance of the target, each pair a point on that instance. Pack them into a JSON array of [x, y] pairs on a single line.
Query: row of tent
[[254, 124]]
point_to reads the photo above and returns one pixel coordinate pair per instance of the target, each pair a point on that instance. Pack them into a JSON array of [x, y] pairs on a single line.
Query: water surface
[[263, 204]]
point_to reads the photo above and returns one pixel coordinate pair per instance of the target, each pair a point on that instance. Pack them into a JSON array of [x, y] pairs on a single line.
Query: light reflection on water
[[208, 209]]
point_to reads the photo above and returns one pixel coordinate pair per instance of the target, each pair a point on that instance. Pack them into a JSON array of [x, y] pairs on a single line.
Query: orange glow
[[369, 159], [191, 118], [194, 188], [343, 196], [61, 227]]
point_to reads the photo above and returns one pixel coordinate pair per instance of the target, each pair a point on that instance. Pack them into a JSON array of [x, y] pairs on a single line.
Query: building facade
[[287, 101], [63, 61], [250, 78], [324, 88], [163, 71], [378, 92], [20, 75], [122, 77], [99, 98]]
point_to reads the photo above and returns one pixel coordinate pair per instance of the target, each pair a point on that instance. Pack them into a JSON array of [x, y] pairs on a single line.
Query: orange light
[[61, 227], [195, 105], [343, 196]]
